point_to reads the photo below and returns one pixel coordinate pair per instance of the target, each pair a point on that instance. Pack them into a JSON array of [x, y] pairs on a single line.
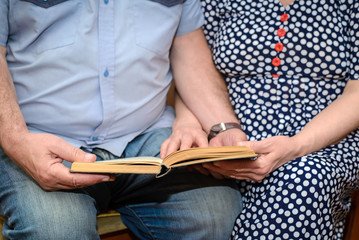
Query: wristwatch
[[221, 127]]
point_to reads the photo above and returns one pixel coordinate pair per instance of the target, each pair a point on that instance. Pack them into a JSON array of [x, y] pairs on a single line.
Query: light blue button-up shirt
[[94, 72]]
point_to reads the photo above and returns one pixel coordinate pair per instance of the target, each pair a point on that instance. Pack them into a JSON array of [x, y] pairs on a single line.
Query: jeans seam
[[136, 215]]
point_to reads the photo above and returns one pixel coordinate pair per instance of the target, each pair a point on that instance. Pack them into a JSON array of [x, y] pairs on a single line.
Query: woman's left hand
[[273, 151]]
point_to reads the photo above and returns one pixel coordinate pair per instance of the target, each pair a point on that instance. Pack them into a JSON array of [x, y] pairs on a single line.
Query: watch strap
[[221, 127]]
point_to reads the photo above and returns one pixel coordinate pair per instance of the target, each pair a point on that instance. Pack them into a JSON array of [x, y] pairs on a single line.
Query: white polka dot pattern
[[309, 197], [322, 38]]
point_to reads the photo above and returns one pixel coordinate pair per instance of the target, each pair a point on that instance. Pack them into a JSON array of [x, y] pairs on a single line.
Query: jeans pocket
[[54, 21], [156, 23]]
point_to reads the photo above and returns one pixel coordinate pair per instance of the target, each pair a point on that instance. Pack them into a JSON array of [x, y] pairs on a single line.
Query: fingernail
[[106, 179], [88, 156]]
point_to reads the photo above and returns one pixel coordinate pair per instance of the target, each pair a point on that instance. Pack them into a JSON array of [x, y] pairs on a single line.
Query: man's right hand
[[41, 156]]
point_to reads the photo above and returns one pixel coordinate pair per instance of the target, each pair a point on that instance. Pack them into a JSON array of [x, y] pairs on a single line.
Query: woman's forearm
[[332, 124]]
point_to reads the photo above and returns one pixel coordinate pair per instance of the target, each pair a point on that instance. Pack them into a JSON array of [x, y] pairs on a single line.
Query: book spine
[[163, 171]]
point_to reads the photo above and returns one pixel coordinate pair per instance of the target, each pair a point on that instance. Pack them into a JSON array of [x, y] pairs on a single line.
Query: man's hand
[[41, 156], [182, 138], [230, 137]]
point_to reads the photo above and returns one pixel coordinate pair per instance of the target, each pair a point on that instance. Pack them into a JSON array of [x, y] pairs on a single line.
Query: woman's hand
[[274, 152]]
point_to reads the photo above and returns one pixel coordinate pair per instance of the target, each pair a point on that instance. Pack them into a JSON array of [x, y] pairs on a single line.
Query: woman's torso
[[277, 83]]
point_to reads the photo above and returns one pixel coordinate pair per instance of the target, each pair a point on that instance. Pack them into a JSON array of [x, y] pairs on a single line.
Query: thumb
[[73, 154], [250, 144]]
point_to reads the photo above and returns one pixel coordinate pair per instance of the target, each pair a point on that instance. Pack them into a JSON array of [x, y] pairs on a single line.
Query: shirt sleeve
[[353, 38], [4, 20], [192, 17]]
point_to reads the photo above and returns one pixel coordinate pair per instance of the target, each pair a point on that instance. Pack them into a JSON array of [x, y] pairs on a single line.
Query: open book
[[158, 166]]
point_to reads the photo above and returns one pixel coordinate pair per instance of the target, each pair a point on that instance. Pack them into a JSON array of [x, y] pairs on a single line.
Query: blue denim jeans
[[181, 205]]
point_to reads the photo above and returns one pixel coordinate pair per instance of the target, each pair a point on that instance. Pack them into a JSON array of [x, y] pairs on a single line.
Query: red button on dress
[[276, 62], [284, 17], [278, 47], [281, 32]]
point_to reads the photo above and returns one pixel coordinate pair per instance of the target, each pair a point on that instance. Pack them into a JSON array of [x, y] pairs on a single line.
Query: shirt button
[[94, 138], [284, 17], [105, 1], [278, 47], [106, 73], [276, 62], [281, 32]]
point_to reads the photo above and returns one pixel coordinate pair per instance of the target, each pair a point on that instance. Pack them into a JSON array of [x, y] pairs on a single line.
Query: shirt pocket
[[45, 3], [54, 22], [156, 23], [169, 3]]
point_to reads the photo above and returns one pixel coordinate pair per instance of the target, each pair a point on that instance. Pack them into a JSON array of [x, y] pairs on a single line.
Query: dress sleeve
[[4, 20], [353, 39]]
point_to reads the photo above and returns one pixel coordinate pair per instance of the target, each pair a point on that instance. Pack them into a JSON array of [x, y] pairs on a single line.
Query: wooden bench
[[108, 224]]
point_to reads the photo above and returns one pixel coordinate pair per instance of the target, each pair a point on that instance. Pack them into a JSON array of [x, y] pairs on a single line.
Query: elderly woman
[[291, 68]]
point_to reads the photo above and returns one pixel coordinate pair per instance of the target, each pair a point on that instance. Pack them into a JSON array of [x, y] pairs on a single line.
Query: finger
[[172, 146], [233, 174], [242, 166], [187, 142], [239, 164], [61, 178], [216, 171], [215, 142], [70, 153], [164, 146], [202, 141], [246, 174], [212, 168], [259, 147], [202, 170], [251, 177], [216, 175]]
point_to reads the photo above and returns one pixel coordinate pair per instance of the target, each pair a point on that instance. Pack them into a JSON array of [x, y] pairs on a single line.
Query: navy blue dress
[[282, 66]]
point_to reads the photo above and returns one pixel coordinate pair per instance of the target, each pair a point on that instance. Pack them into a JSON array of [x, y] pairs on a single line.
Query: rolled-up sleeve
[[192, 17], [4, 20]]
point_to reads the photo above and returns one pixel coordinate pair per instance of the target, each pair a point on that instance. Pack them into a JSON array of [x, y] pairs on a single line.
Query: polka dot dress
[[283, 65]]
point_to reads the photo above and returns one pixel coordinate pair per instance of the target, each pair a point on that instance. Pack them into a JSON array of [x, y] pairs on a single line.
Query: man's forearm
[[198, 82], [11, 119]]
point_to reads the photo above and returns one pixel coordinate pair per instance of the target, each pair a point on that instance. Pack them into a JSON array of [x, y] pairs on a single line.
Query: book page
[[209, 154], [134, 160]]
